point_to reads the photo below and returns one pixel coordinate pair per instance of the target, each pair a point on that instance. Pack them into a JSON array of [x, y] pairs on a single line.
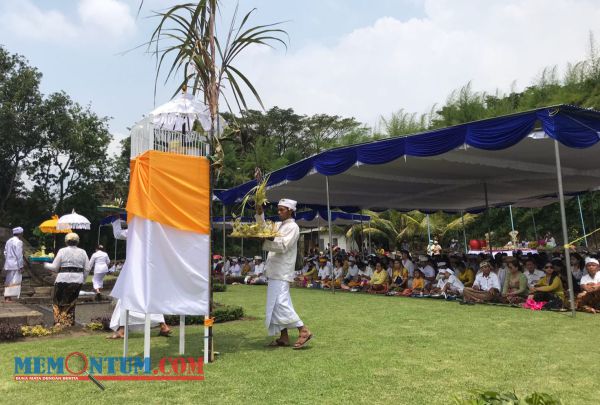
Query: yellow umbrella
[[49, 226]]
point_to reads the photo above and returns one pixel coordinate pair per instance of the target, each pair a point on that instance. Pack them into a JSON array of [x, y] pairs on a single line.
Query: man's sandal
[[302, 341], [165, 333], [114, 336]]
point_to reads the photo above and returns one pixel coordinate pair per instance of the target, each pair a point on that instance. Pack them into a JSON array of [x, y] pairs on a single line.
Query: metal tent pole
[[224, 240], [534, 227], [512, 222], [487, 218], [330, 233], [464, 231], [582, 222], [428, 231], [563, 219]]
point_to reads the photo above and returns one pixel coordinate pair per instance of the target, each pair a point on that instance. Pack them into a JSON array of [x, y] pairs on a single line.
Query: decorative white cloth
[[118, 231], [166, 271], [13, 254], [280, 313], [70, 256], [136, 319]]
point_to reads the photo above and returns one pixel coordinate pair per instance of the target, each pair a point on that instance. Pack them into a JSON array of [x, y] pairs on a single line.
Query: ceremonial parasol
[[49, 226], [180, 113], [73, 221]]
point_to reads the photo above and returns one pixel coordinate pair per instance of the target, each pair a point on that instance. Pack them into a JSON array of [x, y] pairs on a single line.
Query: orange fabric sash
[[171, 189]]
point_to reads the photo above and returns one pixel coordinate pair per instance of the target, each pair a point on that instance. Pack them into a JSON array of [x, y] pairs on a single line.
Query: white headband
[[17, 231], [591, 260], [286, 202]]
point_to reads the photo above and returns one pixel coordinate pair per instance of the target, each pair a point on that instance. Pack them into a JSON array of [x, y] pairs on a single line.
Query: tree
[[322, 131], [74, 151], [20, 123]]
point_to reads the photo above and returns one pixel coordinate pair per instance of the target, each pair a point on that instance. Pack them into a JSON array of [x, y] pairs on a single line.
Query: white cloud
[[110, 17], [95, 20], [24, 19], [413, 64]]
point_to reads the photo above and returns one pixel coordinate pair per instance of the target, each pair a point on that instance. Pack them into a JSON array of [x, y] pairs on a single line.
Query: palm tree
[[393, 226]]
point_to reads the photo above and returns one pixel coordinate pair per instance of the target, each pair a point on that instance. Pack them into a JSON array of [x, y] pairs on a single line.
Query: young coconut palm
[[187, 33]]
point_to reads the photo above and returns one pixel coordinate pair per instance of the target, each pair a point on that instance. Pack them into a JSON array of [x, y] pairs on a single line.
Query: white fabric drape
[[280, 313], [168, 267]]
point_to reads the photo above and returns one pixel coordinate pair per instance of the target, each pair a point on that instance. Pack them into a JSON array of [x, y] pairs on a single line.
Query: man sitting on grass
[[532, 274], [486, 287], [324, 272], [588, 299]]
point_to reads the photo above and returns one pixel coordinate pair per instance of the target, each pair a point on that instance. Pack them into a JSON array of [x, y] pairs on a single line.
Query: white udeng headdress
[[286, 202]]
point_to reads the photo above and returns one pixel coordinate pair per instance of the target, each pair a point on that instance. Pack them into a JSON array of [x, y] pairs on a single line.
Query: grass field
[[367, 349]]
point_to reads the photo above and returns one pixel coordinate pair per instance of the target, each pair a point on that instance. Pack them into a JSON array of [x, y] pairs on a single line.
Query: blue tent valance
[[452, 165]]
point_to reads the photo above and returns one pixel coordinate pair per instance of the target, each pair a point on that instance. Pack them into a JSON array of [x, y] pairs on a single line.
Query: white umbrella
[[73, 221], [182, 110]]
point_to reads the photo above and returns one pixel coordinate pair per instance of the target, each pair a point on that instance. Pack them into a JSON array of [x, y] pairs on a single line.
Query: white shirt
[[118, 232], [281, 260], [587, 279], [577, 274], [533, 278], [486, 283], [324, 272], [338, 273], [259, 269], [408, 265], [235, 269], [502, 271], [99, 262], [13, 254], [368, 271], [352, 271], [70, 256], [428, 271], [456, 284]]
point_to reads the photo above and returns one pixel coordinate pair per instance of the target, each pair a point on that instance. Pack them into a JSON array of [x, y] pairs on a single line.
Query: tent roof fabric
[[446, 169]]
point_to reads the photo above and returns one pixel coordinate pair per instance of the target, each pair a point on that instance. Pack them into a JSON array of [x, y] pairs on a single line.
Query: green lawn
[[366, 349]]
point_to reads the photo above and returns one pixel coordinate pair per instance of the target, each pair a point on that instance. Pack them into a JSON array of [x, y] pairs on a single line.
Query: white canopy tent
[[493, 162]]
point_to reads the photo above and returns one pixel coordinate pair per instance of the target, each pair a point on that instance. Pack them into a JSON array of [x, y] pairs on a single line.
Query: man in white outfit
[[99, 263], [136, 319], [279, 270], [13, 265]]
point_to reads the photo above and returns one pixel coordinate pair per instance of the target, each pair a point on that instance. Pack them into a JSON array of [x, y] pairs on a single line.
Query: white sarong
[[136, 319], [280, 313], [98, 280], [12, 283]]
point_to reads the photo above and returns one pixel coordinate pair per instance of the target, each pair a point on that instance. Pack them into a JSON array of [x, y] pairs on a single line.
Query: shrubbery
[[221, 313], [9, 332]]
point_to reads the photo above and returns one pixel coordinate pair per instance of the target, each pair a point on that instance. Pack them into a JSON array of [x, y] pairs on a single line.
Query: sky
[[359, 58]]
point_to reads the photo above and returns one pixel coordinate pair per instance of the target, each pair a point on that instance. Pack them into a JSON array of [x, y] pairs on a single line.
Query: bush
[[219, 287], [221, 313], [500, 398], [104, 321], [10, 332]]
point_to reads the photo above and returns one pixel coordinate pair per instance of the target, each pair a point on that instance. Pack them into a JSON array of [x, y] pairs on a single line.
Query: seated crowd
[[518, 280]]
